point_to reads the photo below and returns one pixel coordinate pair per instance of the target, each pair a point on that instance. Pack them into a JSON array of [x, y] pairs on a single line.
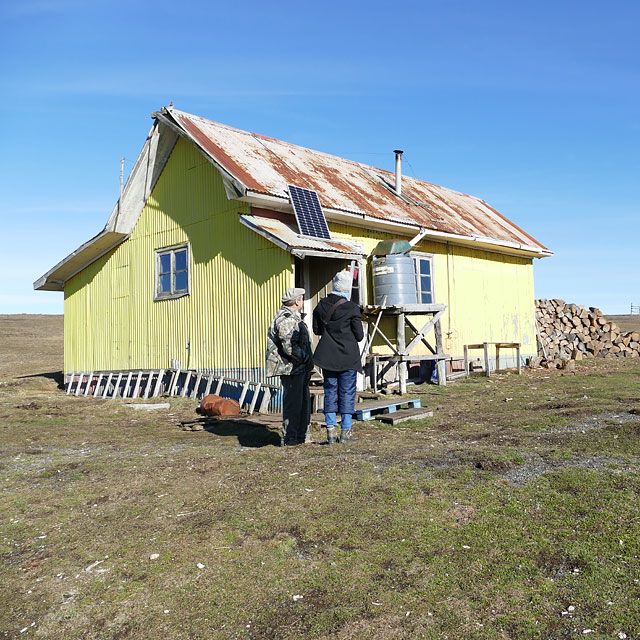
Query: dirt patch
[[598, 421], [536, 466], [29, 406]]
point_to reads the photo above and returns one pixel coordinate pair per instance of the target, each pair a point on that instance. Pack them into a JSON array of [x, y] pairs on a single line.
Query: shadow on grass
[[56, 376], [248, 435]]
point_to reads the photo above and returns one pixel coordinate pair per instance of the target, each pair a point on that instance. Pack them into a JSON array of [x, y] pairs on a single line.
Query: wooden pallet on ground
[[405, 414], [375, 408]]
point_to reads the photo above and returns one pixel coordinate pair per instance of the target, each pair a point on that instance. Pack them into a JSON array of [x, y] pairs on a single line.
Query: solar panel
[[306, 206]]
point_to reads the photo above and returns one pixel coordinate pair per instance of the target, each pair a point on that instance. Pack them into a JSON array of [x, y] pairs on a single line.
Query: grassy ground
[[511, 514]]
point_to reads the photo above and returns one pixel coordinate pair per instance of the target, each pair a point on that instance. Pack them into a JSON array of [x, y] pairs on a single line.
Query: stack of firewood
[[572, 332]]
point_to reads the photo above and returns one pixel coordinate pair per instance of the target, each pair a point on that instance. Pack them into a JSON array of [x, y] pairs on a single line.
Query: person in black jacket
[[338, 322]]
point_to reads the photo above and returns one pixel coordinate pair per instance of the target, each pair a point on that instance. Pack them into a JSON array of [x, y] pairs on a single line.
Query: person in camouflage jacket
[[289, 356]]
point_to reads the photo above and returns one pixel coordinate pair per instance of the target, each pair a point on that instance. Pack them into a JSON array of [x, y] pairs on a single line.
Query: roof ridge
[[361, 165], [317, 151], [268, 138]]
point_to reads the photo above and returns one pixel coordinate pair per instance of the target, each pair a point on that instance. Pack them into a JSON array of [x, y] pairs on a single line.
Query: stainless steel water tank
[[394, 276]]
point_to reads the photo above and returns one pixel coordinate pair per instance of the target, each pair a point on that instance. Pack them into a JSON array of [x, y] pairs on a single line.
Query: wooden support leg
[[402, 365], [116, 389], [487, 368], [254, 398], [156, 391], [466, 360], [147, 389], [174, 386], [136, 390], [106, 386], [518, 356], [441, 365], [266, 397], [186, 384], [243, 395], [208, 387], [127, 384], [97, 389], [80, 379], [497, 357], [196, 386], [89, 379]]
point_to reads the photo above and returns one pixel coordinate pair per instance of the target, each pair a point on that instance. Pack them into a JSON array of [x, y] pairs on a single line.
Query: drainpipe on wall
[[449, 287], [421, 234]]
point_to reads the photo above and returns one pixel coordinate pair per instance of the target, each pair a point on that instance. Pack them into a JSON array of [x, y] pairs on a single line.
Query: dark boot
[[346, 436], [332, 435]]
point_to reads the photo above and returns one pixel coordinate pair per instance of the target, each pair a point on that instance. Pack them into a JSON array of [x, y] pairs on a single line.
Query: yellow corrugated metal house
[[191, 265]]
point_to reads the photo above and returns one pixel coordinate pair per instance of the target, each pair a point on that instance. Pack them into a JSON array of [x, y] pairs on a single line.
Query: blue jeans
[[339, 396]]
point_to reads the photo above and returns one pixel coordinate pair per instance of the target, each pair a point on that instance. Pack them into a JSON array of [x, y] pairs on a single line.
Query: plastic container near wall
[[394, 276]]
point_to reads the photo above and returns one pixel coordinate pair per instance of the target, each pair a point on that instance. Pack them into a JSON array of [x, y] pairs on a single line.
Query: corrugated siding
[[489, 296], [237, 278]]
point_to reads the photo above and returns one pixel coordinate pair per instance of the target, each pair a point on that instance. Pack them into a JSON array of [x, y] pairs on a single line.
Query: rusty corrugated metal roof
[[267, 166]]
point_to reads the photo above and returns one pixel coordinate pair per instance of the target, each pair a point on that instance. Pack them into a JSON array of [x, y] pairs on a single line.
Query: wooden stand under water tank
[[401, 350]]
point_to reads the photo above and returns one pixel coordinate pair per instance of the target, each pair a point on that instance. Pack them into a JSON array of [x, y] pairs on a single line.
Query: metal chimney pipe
[[398, 153]]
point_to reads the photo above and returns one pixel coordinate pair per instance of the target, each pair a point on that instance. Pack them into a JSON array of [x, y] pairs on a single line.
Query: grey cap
[[290, 296], [343, 281]]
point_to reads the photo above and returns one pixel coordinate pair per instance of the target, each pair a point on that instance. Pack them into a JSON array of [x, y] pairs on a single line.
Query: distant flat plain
[[627, 322]]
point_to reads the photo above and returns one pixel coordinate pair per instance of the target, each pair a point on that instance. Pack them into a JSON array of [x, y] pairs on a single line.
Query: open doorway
[[315, 276]]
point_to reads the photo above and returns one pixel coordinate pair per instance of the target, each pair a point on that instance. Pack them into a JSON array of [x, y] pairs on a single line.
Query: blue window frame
[[172, 272]]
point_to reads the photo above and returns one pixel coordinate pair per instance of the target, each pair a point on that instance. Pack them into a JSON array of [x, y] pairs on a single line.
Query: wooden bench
[[485, 347]]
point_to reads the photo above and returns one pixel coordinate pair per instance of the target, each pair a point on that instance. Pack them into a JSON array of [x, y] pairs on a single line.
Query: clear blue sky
[[535, 108]]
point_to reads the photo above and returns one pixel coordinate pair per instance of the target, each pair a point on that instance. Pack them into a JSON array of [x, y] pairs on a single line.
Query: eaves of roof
[[83, 256]]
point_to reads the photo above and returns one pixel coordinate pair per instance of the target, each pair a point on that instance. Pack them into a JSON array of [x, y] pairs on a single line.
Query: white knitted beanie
[[342, 282]]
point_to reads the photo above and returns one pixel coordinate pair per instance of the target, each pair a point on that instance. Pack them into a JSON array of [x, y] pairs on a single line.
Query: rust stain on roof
[[217, 153], [266, 165]]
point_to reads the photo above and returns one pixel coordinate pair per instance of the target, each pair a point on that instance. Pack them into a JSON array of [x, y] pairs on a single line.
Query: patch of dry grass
[[627, 322], [488, 520]]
